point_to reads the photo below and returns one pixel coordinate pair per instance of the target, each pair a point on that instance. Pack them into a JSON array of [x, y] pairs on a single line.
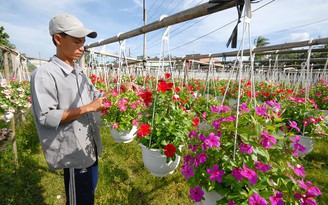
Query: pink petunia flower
[[256, 199], [268, 140], [249, 174]]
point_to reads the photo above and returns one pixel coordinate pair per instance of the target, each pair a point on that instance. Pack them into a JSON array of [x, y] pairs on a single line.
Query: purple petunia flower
[[200, 159], [192, 134], [261, 111], [236, 172], [187, 171], [196, 194], [298, 169], [216, 124], [249, 174], [215, 173], [268, 140], [297, 146], [293, 124], [261, 166], [245, 148], [256, 199], [276, 199], [243, 108], [230, 202], [213, 140], [220, 109]]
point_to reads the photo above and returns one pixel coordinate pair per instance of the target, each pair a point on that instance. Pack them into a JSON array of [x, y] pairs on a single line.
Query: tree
[[261, 42], [4, 38]]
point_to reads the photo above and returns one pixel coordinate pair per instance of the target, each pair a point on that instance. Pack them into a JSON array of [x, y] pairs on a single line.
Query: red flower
[[147, 97], [169, 150], [162, 86], [169, 86], [144, 130], [167, 75], [195, 121]]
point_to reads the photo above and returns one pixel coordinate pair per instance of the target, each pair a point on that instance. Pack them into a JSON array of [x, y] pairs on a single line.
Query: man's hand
[[129, 86]]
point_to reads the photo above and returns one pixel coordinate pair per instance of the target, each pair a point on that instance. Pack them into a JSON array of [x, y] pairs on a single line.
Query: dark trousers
[[85, 184]]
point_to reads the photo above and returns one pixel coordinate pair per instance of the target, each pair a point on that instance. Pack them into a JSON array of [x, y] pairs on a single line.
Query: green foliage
[[122, 109], [167, 115], [4, 38], [213, 149], [122, 177], [308, 117]]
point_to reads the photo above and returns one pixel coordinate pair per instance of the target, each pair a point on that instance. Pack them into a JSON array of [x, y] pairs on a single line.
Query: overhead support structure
[[261, 50], [115, 56], [192, 13]]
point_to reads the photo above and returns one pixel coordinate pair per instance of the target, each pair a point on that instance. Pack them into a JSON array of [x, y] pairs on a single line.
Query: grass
[[123, 179]]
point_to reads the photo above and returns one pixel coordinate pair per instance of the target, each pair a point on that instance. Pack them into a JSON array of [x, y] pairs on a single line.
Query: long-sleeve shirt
[[56, 87]]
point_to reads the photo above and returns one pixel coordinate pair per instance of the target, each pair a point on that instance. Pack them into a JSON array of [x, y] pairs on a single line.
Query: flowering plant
[[14, 98], [249, 163], [122, 109], [166, 122], [319, 93], [303, 117]]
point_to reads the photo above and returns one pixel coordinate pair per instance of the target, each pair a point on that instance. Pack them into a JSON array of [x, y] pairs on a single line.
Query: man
[[64, 101]]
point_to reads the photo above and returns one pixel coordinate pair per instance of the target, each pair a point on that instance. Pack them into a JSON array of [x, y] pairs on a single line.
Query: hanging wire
[[247, 24]]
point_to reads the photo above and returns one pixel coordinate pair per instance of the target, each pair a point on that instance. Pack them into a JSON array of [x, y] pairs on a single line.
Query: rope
[[247, 22]]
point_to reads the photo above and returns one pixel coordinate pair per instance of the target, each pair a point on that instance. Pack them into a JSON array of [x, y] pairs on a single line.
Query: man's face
[[70, 48]]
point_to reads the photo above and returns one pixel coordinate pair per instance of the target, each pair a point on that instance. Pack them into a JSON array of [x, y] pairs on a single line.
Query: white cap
[[65, 23]]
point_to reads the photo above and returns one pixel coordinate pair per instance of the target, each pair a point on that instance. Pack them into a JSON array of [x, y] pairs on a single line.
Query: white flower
[[11, 110], [3, 83], [4, 106]]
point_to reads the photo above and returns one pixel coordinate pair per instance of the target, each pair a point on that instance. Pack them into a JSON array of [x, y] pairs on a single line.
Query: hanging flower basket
[[166, 121], [306, 142], [125, 136], [210, 198], [156, 163]]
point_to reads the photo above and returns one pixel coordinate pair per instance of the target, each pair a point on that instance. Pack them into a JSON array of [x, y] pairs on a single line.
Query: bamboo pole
[[262, 50], [12, 120], [192, 13], [115, 56]]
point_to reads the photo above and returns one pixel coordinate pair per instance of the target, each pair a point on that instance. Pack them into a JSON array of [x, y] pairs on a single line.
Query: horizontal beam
[[261, 50], [192, 13], [114, 56]]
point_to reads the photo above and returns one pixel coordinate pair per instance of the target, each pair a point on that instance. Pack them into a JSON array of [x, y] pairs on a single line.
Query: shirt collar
[[64, 66]]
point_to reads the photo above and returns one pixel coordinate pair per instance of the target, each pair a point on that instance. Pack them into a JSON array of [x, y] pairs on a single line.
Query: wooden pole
[[192, 13], [12, 120]]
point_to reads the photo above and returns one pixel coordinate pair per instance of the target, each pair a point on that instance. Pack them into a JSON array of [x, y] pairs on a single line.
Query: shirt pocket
[[68, 142]]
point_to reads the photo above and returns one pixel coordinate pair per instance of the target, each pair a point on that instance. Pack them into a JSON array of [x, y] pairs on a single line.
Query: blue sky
[[281, 21]]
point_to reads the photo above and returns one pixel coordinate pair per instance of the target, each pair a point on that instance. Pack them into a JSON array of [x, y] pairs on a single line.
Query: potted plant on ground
[[246, 164], [164, 126]]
